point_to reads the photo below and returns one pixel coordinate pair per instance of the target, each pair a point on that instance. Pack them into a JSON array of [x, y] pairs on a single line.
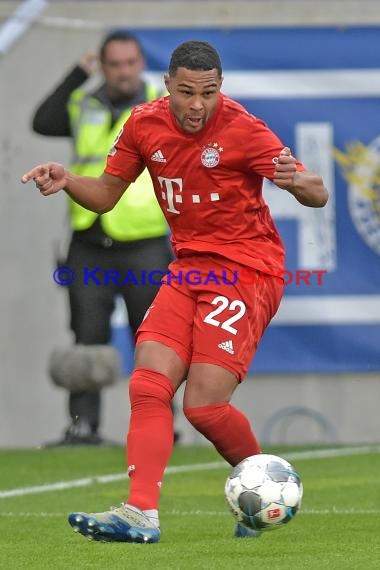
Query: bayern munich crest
[[210, 156], [364, 192]]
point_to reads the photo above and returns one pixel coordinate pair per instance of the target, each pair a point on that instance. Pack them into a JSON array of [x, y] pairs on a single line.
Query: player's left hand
[[285, 169]]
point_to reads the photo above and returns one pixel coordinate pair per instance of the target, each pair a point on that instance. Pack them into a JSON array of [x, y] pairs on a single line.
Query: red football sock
[[150, 437], [227, 428]]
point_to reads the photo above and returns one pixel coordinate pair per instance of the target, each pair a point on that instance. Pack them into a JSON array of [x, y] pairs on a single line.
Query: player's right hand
[[49, 178]]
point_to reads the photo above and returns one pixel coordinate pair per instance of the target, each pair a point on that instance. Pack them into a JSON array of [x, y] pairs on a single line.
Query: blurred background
[[311, 70]]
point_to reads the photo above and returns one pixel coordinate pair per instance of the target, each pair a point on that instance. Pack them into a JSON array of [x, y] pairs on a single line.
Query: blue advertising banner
[[319, 90]]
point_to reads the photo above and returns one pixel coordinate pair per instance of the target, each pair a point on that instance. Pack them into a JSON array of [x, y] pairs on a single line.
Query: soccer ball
[[264, 492]]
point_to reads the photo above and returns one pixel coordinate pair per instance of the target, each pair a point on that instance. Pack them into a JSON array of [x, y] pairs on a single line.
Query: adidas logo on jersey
[[158, 156], [227, 346]]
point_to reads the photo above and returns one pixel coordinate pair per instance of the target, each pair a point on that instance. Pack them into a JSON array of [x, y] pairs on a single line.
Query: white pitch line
[[100, 479], [327, 511], [333, 452], [86, 481], [198, 512]]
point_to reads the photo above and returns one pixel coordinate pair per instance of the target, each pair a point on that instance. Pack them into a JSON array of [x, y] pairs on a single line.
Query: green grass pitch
[[338, 526]]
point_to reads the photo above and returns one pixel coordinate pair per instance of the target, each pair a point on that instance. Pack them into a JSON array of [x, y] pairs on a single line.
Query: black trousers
[[99, 274]]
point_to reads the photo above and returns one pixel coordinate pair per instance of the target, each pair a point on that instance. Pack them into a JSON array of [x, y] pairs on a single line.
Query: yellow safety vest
[[137, 215]]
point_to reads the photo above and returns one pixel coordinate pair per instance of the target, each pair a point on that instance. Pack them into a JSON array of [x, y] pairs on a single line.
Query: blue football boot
[[120, 524], [242, 531]]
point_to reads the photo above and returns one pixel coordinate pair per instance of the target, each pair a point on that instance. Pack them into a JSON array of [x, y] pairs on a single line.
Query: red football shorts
[[210, 310]]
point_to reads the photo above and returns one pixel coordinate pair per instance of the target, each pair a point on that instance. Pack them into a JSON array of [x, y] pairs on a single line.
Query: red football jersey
[[209, 184]]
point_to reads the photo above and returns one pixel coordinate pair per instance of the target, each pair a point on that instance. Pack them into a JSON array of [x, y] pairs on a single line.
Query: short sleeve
[[124, 159], [263, 148]]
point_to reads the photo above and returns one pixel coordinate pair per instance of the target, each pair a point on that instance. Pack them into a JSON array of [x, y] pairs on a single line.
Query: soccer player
[[207, 157]]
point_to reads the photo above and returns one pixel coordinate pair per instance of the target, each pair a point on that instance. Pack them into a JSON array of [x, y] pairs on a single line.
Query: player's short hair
[[120, 35], [196, 56]]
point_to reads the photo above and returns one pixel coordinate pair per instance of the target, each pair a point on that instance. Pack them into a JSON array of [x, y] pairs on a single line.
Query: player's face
[[193, 97], [122, 67]]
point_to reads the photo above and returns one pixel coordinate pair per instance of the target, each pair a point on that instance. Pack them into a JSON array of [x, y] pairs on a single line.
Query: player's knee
[[147, 386], [193, 416], [153, 354], [204, 417]]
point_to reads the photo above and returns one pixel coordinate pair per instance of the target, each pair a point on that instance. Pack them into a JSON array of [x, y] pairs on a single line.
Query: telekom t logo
[[171, 192]]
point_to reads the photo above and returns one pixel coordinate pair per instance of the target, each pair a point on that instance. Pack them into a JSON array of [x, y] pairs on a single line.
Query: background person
[[210, 189], [132, 237]]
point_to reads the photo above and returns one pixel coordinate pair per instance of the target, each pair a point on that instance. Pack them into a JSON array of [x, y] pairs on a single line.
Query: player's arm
[[306, 186], [97, 194]]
